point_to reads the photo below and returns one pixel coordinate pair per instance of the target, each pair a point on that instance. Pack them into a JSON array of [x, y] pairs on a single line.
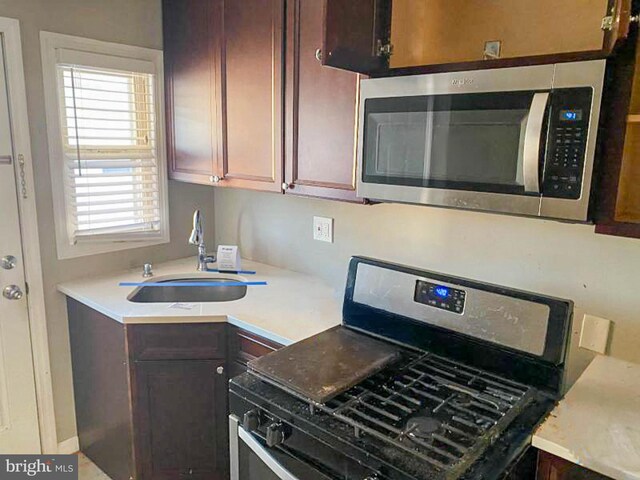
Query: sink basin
[[195, 294]]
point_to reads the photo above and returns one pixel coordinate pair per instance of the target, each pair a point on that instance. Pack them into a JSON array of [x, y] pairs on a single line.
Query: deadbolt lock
[[9, 262]]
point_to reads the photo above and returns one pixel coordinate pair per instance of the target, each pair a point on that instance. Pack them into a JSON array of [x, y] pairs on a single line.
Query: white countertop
[[597, 424], [291, 307]]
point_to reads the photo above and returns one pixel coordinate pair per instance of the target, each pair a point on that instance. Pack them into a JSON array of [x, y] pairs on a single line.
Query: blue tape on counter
[[191, 284], [240, 272]]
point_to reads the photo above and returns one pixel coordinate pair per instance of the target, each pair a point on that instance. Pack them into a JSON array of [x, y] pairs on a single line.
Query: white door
[[19, 431]]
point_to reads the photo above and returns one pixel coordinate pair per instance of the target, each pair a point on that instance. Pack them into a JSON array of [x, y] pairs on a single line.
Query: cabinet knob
[[319, 55], [287, 186], [216, 178], [220, 370]]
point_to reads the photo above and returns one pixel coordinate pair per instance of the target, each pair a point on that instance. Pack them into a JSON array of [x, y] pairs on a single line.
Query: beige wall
[[133, 22], [600, 274]]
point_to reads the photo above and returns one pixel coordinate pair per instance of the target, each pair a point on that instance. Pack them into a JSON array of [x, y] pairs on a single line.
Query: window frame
[[52, 45]]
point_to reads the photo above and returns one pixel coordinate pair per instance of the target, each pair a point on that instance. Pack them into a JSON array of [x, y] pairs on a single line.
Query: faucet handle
[[147, 270], [196, 234]]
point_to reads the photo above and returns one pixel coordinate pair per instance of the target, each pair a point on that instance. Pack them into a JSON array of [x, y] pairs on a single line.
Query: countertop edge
[[238, 322], [90, 303]]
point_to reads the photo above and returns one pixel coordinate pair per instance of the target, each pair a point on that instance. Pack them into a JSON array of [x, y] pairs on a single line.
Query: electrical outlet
[[323, 229], [595, 333]]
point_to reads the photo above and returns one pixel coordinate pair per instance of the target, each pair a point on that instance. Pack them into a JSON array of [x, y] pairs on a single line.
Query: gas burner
[[462, 401], [423, 426]]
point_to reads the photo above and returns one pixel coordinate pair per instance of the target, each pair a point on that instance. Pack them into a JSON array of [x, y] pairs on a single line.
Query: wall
[[600, 274], [133, 22]]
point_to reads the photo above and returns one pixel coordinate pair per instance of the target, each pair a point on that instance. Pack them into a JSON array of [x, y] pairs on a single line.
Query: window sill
[[66, 252]]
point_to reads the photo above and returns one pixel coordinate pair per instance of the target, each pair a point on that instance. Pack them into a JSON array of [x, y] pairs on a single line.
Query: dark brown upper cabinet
[[617, 209], [321, 106], [192, 47], [224, 63], [253, 94], [381, 37]]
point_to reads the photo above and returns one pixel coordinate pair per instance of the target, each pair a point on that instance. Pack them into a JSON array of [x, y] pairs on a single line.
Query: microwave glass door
[[458, 141]]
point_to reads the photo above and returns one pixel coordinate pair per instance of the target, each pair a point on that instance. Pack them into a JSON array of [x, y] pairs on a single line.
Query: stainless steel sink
[[193, 294]]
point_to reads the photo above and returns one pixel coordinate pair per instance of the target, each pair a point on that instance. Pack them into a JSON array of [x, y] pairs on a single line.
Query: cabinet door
[[180, 419], [253, 95], [617, 205], [321, 112], [551, 467], [192, 70], [355, 33], [440, 35]]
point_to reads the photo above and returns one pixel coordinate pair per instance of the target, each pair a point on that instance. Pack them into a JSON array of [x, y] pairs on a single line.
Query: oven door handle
[[236, 433], [532, 141]]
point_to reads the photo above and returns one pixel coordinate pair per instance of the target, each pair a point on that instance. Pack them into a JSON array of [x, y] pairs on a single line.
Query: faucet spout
[[197, 238]]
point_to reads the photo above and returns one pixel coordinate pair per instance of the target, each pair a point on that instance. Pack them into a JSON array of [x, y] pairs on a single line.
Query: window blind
[[109, 141]]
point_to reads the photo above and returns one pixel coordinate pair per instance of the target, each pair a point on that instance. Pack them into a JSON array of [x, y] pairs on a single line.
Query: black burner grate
[[441, 411]]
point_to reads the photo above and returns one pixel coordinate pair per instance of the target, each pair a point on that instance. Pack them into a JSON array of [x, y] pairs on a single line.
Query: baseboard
[[70, 445]]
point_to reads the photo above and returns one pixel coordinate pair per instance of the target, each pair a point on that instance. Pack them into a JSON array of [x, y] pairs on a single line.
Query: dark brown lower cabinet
[[551, 467], [180, 418], [151, 399]]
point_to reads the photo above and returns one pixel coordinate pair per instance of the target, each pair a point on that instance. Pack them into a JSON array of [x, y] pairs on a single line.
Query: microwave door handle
[[532, 141], [263, 454]]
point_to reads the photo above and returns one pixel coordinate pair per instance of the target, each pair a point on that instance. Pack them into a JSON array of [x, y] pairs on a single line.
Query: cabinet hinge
[[384, 49], [607, 22]]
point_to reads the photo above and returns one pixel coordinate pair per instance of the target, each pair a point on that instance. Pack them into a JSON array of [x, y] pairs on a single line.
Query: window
[[106, 145]]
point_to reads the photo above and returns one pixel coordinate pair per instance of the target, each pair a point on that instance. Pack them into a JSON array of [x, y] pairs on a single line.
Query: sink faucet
[[197, 238]]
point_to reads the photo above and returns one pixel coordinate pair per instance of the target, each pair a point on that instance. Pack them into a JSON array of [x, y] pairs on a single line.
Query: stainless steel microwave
[[518, 140]]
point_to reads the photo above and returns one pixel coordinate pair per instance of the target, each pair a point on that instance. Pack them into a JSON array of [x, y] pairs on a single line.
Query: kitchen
[[254, 113]]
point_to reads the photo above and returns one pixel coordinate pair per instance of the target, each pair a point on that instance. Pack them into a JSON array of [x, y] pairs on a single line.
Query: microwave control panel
[[568, 127], [440, 296]]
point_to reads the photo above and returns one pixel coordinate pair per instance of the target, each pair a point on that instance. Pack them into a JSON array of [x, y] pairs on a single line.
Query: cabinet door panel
[[321, 112], [180, 419], [192, 70], [555, 468], [253, 97], [351, 34]]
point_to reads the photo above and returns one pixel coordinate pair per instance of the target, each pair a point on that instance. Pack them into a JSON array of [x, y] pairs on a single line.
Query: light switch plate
[[595, 333], [323, 229]]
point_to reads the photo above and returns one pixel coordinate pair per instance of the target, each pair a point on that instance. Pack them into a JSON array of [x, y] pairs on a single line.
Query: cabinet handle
[[216, 178], [220, 370], [319, 55]]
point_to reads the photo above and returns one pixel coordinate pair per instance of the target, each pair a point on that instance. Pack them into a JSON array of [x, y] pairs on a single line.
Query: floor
[[87, 470]]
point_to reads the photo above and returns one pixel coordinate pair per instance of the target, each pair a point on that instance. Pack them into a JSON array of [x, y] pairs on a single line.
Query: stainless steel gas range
[[428, 377]]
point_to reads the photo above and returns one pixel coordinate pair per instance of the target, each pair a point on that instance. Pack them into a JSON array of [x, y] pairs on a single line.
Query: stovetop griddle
[[327, 364], [479, 367]]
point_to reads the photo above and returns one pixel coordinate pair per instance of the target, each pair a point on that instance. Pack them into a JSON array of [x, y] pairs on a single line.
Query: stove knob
[[251, 420], [275, 434]]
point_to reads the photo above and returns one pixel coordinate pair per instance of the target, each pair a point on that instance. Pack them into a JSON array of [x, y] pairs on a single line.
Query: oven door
[[251, 459]]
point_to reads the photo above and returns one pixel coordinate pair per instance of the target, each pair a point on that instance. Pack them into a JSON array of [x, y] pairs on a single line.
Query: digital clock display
[[442, 292], [441, 297], [570, 115]]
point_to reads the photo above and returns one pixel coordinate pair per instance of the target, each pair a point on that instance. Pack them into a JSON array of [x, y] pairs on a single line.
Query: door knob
[[220, 370], [12, 292], [9, 262]]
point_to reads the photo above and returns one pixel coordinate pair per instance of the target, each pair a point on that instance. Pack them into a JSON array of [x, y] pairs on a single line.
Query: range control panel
[[566, 142], [440, 296]]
